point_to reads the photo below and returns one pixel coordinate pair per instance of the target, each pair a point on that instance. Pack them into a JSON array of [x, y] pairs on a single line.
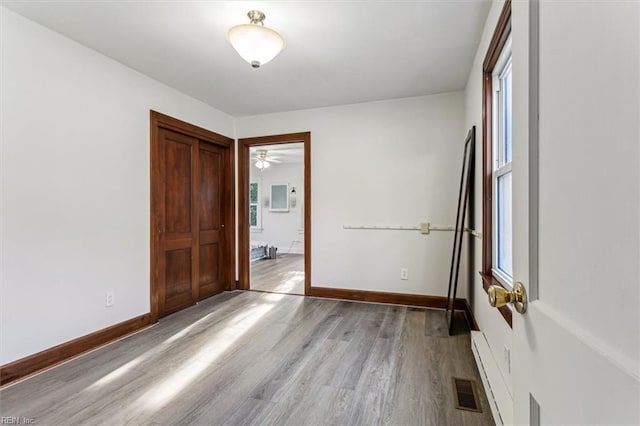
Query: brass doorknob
[[499, 296]]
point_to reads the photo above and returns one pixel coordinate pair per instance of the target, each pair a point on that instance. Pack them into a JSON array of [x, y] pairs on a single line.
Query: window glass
[[502, 264], [254, 210], [504, 222], [253, 193], [507, 117], [253, 215]]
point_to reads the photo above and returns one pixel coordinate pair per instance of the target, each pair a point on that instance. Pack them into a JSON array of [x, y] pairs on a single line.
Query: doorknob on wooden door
[[499, 296]]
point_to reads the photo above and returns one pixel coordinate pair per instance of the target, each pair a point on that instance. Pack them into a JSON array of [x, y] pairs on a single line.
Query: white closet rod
[[424, 228]]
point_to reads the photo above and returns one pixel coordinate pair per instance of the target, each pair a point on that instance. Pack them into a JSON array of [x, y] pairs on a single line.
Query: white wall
[[496, 330], [75, 186], [381, 163], [284, 230]]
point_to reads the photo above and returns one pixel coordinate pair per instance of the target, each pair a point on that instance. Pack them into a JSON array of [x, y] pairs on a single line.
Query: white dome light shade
[[254, 42]]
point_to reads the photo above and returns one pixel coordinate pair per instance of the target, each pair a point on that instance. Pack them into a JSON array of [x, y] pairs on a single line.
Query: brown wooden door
[[211, 181], [178, 222], [191, 264], [192, 214]]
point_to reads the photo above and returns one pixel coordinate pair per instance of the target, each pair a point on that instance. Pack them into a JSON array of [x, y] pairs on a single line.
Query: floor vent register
[[465, 395]]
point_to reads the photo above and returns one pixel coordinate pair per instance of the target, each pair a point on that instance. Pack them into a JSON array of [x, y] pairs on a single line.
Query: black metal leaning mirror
[[466, 181]]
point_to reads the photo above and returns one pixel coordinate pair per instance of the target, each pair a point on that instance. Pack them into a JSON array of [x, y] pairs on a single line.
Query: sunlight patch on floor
[[168, 389], [273, 297], [116, 373], [294, 276], [292, 279], [136, 361], [185, 330]]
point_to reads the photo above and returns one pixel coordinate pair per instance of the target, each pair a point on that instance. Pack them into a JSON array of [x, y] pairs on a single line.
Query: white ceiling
[[338, 52], [288, 153]]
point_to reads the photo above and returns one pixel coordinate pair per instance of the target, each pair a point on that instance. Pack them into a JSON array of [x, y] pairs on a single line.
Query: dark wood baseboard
[[49, 357], [385, 297], [470, 318], [438, 302]]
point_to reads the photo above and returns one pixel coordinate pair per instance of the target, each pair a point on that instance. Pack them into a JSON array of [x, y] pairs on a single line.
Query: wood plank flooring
[[285, 274], [251, 358]]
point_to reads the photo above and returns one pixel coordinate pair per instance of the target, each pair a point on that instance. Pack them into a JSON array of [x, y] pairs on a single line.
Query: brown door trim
[[243, 201], [160, 121]]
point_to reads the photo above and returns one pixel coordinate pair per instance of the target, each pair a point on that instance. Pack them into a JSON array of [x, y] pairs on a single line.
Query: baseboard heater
[[498, 395]]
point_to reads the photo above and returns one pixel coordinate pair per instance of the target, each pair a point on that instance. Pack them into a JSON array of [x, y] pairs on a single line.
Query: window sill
[[504, 281], [489, 280], [256, 230]]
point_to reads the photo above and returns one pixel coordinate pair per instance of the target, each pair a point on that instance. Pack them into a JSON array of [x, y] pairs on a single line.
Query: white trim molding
[[498, 395]]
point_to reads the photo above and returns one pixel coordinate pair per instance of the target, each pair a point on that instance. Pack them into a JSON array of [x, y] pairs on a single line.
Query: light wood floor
[[285, 274], [262, 358]]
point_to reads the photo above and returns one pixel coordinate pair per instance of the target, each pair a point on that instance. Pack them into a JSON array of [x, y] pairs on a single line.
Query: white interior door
[[575, 356]]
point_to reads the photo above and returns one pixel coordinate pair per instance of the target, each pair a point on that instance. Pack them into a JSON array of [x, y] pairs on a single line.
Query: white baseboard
[[500, 399], [294, 250]]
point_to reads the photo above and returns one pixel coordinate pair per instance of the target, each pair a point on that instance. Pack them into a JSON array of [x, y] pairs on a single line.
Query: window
[[497, 265], [255, 216], [502, 265]]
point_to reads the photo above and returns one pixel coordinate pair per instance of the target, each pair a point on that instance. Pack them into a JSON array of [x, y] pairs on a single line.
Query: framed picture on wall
[[279, 197]]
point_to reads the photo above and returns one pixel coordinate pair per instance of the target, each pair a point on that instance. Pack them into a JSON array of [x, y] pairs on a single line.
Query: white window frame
[[500, 166], [258, 227]]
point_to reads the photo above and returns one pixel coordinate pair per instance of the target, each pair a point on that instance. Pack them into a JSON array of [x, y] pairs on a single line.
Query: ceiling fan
[[263, 159]]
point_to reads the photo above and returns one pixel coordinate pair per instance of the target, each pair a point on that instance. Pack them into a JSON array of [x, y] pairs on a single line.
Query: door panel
[[177, 236], [575, 350], [210, 212], [178, 152], [178, 280], [209, 191], [209, 270]]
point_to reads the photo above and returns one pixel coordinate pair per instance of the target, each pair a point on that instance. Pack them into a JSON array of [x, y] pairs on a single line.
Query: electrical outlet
[[507, 357], [109, 299], [404, 273]]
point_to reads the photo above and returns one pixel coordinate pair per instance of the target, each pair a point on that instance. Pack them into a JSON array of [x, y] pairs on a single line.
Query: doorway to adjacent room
[[274, 205]]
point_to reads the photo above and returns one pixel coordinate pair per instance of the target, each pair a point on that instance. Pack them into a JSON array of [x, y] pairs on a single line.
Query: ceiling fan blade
[[286, 150]]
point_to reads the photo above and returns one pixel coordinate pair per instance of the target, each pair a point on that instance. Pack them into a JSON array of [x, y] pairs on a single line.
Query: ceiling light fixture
[[254, 42], [262, 164]]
